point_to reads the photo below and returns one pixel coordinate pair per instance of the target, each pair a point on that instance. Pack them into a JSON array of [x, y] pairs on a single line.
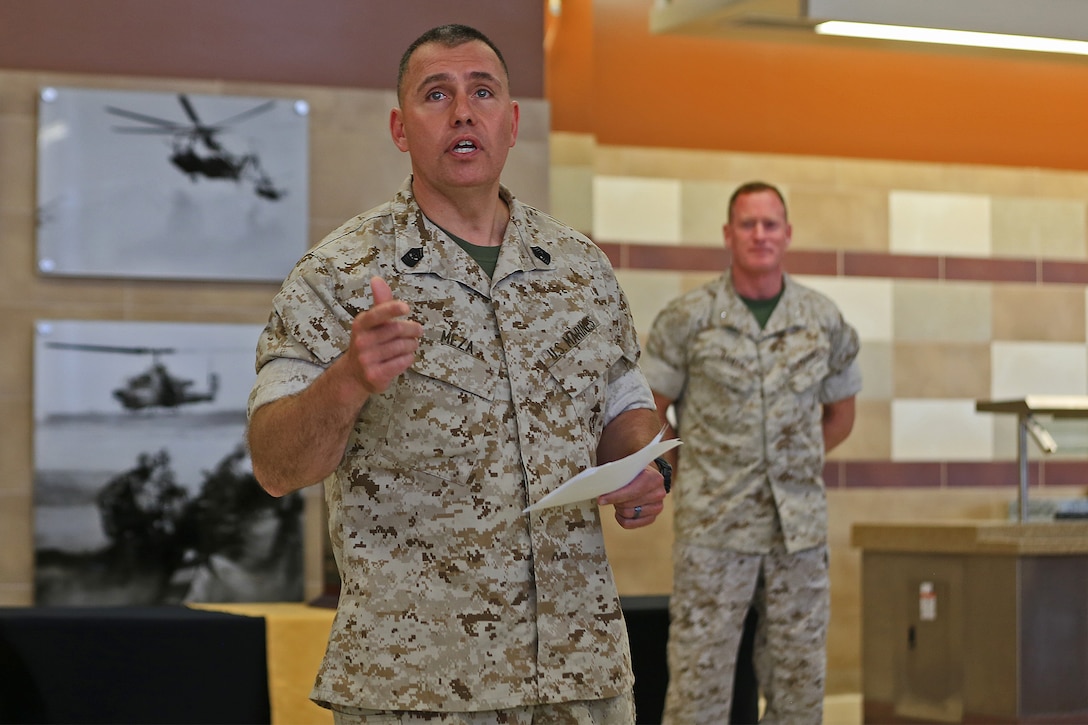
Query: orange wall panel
[[800, 98]]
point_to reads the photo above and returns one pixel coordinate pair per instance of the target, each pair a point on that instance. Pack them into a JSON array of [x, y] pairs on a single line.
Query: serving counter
[[980, 621]]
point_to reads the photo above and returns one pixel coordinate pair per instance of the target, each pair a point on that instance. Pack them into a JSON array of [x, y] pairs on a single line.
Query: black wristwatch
[[666, 472]]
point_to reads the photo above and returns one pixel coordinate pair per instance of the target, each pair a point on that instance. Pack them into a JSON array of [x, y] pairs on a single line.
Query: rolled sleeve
[[628, 391], [842, 385], [279, 378], [663, 378]]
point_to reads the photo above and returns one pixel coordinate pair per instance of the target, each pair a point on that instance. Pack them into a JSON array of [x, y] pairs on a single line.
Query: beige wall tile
[[352, 171], [704, 208], [1038, 368], [629, 209], [942, 370], [16, 595], [1006, 439], [20, 96], [939, 223], [940, 430], [781, 169], [839, 218], [942, 311], [989, 180], [572, 149], [571, 191], [1052, 313], [314, 533], [16, 539], [16, 443], [641, 559], [865, 303], [875, 360], [18, 146], [527, 171], [647, 293], [661, 163], [1048, 228], [1058, 184], [17, 333], [871, 438], [883, 174]]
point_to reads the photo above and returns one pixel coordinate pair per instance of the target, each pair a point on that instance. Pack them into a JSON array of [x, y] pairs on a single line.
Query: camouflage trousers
[[712, 590], [618, 710]]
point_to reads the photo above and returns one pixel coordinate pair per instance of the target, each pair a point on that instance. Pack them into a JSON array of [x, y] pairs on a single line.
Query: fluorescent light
[[951, 37]]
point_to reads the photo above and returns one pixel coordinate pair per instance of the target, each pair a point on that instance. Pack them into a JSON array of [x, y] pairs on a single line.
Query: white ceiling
[[793, 20]]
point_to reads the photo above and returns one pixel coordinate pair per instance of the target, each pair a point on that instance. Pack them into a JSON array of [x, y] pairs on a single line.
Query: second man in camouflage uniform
[[763, 373]]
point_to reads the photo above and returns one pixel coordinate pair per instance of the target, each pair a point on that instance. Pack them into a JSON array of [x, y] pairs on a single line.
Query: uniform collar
[[422, 248], [732, 312]]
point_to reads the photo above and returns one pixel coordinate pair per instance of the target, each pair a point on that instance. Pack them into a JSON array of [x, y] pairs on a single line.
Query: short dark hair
[[451, 36], [754, 187]]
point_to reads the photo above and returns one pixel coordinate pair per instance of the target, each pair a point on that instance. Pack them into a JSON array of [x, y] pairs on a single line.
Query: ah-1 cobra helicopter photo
[[154, 387], [197, 152]]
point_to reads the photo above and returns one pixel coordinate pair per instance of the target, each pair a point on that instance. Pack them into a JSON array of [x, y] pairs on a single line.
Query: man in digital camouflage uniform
[[441, 362], [763, 372]]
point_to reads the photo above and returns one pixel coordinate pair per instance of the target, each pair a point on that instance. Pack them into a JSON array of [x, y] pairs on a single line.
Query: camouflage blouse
[[749, 411], [453, 599]]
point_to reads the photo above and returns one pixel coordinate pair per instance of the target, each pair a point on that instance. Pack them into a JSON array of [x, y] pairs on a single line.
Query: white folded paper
[[599, 480]]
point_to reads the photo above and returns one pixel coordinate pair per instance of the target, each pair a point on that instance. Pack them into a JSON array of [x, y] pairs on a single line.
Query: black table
[[131, 665]]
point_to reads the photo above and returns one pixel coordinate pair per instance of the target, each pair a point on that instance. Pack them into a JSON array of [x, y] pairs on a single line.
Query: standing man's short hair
[[754, 187], [450, 36]]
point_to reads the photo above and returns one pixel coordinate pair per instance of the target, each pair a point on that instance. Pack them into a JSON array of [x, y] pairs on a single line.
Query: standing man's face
[[758, 233], [456, 119]]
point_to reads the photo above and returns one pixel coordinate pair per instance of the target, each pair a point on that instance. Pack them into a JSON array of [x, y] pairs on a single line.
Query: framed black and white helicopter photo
[[171, 185], [143, 488]]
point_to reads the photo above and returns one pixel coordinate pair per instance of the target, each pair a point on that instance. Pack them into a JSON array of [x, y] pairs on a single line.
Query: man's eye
[[483, 93], [435, 96]]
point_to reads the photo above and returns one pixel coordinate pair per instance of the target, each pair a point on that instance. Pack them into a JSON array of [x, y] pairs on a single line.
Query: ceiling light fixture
[[951, 37]]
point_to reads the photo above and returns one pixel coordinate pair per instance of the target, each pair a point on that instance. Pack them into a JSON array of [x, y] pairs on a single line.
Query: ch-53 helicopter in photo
[[196, 150], [154, 387]]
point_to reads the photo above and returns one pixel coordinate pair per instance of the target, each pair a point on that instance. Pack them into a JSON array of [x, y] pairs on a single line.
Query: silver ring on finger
[[638, 511]]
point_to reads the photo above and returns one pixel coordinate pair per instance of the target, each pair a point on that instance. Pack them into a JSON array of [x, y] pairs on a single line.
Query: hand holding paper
[[599, 480]]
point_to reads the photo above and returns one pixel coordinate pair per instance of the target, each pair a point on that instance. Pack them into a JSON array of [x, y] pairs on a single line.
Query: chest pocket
[[808, 371], [582, 373], [727, 363], [439, 413]]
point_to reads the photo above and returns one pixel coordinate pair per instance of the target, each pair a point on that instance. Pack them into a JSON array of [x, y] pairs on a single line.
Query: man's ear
[[396, 129], [514, 129]]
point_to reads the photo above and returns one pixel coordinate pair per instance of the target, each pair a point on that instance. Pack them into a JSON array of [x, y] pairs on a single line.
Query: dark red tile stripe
[[981, 269], [817, 262], [969, 474], [830, 263], [899, 266], [952, 474], [1065, 272], [890, 474], [659, 257], [1065, 473]]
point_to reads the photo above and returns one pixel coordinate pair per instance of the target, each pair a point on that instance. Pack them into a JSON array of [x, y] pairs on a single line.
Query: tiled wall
[[965, 283]]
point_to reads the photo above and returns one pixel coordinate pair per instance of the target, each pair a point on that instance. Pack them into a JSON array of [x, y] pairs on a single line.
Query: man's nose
[[462, 111]]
